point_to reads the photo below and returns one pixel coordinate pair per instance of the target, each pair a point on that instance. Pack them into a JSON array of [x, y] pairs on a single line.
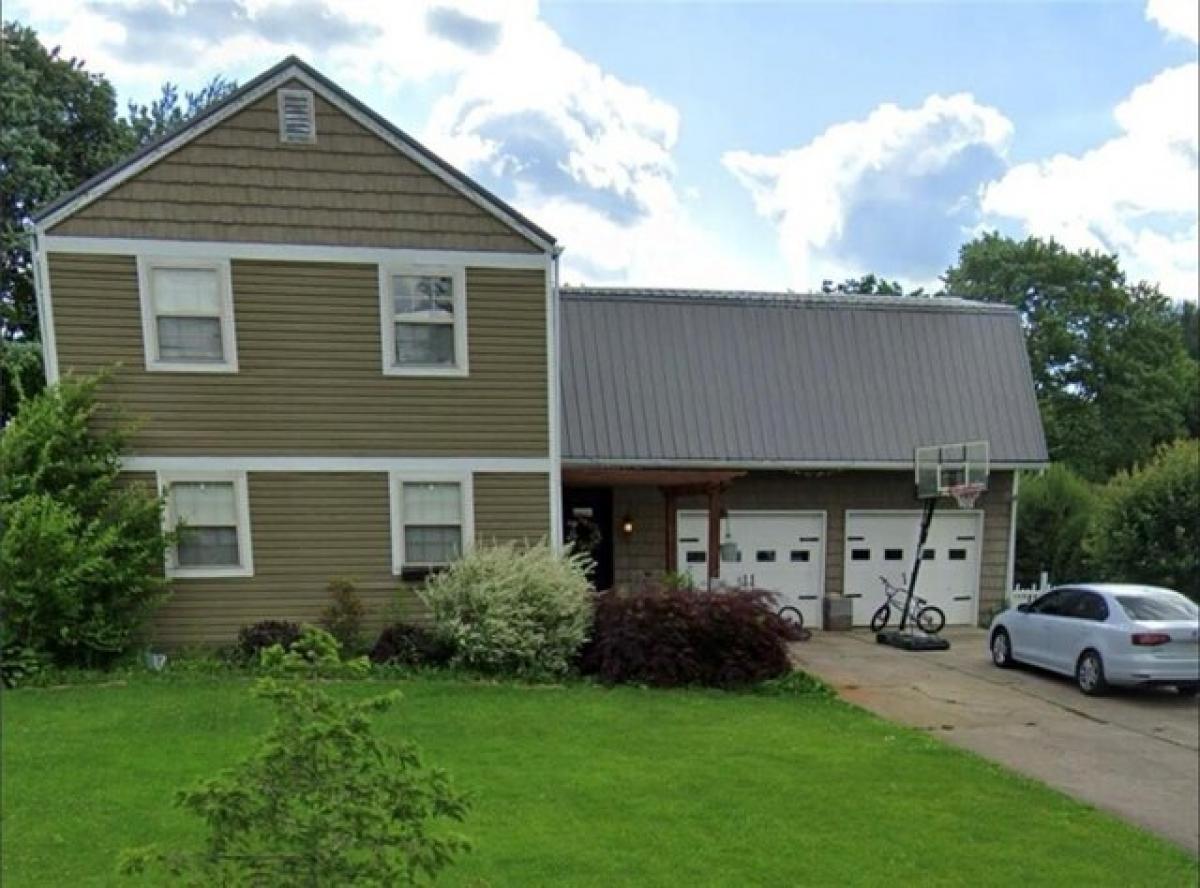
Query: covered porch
[[604, 506]]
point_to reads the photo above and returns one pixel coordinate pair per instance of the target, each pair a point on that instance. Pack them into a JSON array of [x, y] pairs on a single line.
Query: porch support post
[[671, 534], [714, 533]]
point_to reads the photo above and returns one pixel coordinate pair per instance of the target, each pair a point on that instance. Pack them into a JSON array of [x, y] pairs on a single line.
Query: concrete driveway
[[1136, 754]]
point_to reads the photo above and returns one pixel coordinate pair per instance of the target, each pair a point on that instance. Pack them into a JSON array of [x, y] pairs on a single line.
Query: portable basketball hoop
[[954, 471]]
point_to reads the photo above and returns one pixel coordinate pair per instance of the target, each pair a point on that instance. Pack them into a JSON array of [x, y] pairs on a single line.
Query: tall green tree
[[869, 285], [60, 127], [1112, 376], [169, 111]]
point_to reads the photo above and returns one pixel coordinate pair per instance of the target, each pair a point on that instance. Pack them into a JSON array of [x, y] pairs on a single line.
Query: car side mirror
[[1023, 608]]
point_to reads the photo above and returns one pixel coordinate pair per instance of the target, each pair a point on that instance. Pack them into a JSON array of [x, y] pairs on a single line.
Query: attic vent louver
[[297, 122]]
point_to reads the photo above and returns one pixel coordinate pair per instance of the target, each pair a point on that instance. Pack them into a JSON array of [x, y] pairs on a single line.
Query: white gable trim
[[292, 72], [181, 249]]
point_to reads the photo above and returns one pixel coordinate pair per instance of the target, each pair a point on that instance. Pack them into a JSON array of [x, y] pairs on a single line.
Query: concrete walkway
[[1136, 754]]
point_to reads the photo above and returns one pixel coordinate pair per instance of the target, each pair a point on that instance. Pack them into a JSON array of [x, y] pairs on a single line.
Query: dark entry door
[[588, 520]]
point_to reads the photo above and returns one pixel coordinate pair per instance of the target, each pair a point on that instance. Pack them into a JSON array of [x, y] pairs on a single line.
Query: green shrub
[[21, 375], [252, 640], [322, 801], [1054, 514], [81, 554], [514, 610], [667, 636], [1146, 528], [344, 617], [406, 644], [316, 653]]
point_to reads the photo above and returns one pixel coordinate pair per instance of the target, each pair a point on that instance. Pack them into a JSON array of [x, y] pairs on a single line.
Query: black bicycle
[[928, 617]]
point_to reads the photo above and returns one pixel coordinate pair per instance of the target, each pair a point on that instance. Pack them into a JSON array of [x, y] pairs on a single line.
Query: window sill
[[453, 372], [191, 367], [208, 573]]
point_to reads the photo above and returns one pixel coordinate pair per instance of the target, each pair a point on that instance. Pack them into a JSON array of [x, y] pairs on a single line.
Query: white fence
[[1026, 594]]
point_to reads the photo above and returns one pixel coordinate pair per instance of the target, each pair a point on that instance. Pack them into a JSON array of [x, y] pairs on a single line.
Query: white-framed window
[[423, 314], [187, 315], [432, 519], [210, 513]]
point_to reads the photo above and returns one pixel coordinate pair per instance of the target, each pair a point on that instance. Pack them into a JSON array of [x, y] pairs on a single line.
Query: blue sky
[[745, 144]]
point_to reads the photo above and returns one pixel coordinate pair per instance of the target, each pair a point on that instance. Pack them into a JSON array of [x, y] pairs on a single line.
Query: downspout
[[555, 381]]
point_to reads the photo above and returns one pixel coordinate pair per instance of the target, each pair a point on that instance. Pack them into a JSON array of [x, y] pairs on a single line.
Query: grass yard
[[583, 786]]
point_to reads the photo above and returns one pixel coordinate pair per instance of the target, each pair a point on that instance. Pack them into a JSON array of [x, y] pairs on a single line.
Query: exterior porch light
[[627, 525]]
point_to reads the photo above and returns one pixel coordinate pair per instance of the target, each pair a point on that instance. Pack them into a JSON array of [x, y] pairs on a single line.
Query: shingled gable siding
[[834, 492], [310, 378], [310, 527], [238, 182]]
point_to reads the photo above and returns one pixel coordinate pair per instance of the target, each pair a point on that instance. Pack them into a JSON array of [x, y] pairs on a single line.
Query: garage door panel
[[884, 544], [781, 551]]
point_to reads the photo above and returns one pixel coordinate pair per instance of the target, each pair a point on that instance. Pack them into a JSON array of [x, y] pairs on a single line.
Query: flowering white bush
[[510, 609]]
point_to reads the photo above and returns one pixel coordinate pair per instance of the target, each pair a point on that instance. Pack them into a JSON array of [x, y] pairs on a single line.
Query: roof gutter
[[778, 464]]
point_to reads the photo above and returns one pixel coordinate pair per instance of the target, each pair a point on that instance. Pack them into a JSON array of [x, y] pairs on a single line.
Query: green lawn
[[583, 786]]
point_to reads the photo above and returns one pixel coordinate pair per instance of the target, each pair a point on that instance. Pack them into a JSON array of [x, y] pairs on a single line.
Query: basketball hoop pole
[[926, 520]]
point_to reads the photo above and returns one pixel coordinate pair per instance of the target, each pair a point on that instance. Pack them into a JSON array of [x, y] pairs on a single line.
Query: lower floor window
[[431, 519], [210, 520]]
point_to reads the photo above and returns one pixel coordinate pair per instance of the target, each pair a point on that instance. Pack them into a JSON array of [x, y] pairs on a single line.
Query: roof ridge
[[779, 297]]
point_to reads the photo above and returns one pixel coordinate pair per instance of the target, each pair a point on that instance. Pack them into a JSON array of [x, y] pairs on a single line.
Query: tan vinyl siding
[[310, 527], [238, 182], [644, 555], [310, 377], [512, 506]]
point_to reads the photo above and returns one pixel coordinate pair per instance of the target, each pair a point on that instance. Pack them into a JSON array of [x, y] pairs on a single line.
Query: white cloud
[[1179, 18], [891, 193], [1135, 195], [585, 154]]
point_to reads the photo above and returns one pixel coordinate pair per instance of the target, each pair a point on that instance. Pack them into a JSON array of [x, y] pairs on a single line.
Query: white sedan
[[1104, 634]]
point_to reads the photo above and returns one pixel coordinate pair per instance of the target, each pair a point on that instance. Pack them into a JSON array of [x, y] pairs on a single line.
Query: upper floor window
[[187, 315], [424, 321], [211, 517]]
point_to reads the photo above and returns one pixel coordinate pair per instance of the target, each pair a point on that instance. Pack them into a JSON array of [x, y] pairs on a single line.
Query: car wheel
[[1089, 674], [1188, 690], [1001, 649]]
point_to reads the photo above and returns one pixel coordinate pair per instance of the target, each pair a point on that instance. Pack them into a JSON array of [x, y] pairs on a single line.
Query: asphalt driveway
[[1136, 754]]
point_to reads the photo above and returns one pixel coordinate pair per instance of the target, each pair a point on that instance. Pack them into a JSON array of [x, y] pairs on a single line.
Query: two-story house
[[345, 360]]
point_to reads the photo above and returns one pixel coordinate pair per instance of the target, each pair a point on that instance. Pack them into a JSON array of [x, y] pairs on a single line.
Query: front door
[[588, 523]]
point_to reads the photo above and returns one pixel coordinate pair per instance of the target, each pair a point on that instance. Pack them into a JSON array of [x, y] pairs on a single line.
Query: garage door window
[[958, 554], [893, 554], [928, 555], [800, 555], [764, 555], [860, 554]]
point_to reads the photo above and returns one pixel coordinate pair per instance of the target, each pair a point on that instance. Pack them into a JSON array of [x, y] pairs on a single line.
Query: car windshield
[[1161, 606]]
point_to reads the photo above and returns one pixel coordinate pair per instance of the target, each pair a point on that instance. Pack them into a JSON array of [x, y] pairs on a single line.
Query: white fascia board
[[188, 133], [179, 249], [45, 307], [459, 464]]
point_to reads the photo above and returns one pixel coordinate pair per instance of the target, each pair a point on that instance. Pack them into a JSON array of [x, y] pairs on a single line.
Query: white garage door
[[883, 543], [780, 551]]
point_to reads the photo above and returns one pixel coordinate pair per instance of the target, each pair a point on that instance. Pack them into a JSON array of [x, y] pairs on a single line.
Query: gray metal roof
[[659, 377]]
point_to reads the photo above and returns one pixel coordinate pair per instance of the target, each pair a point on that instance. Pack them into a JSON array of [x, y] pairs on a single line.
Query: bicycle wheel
[[881, 617], [794, 620], [931, 619]]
